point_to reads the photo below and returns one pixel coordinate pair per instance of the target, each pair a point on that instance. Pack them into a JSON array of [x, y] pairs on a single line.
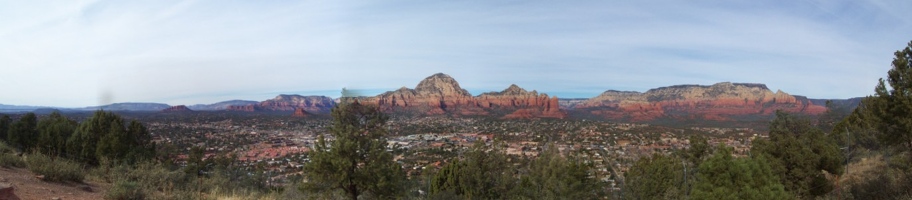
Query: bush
[[125, 190], [58, 169], [9, 160]]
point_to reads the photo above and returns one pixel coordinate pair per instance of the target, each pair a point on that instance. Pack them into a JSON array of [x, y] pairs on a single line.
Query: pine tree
[[140, 143], [799, 153], [553, 176], [54, 132], [24, 133], [5, 123], [356, 160], [655, 177], [892, 107], [724, 177]]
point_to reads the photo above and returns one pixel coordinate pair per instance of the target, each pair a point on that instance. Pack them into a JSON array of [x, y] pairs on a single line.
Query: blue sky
[[84, 53]]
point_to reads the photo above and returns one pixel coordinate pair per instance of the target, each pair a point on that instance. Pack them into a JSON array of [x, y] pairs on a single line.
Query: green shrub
[[6, 148], [58, 169], [125, 190], [9, 160]]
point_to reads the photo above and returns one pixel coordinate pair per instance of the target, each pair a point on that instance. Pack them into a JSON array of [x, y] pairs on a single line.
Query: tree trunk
[[353, 192]]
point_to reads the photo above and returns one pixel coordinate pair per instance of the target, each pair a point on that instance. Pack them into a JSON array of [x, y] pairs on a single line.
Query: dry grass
[[862, 170]]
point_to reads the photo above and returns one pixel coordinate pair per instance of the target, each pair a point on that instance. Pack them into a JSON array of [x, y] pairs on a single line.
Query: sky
[[85, 53]]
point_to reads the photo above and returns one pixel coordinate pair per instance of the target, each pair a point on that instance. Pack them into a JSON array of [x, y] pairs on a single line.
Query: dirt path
[[27, 187]]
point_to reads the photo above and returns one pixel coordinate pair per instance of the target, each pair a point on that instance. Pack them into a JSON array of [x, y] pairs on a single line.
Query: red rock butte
[[178, 108], [440, 94]]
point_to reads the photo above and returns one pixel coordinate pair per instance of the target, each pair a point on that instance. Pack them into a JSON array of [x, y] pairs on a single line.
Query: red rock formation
[[440, 94], [721, 101], [312, 104], [299, 112], [178, 108]]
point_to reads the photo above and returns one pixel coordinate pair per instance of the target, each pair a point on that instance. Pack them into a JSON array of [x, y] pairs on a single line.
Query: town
[[278, 144]]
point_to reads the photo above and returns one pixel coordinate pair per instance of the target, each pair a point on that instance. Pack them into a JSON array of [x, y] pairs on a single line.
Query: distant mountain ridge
[[129, 106], [441, 94], [221, 105]]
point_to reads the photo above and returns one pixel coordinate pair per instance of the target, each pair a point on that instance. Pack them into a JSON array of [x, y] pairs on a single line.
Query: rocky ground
[[26, 186]]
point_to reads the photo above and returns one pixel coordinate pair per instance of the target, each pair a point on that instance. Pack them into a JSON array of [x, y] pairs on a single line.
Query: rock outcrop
[[300, 112], [221, 105], [527, 104], [311, 104], [178, 108], [440, 94], [721, 101]]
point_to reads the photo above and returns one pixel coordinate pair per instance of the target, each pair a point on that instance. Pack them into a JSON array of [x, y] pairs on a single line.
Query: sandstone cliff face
[[441, 94], [721, 101], [312, 104]]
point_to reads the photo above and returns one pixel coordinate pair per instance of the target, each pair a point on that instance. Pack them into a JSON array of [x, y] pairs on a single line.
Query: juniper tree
[[356, 161]]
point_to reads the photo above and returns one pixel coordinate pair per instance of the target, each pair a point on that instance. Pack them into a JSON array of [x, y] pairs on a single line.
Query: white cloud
[[187, 52]]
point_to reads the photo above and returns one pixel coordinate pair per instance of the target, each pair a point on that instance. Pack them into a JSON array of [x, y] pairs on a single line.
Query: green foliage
[[53, 133], [892, 107], [24, 133], [9, 160], [834, 114], [55, 169], [125, 190], [447, 180], [5, 122], [83, 144], [356, 161], [799, 153], [195, 163], [552, 176], [655, 177], [104, 136], [723, 177], [699, 150], [858, 129], [9, 157], [483, 173]]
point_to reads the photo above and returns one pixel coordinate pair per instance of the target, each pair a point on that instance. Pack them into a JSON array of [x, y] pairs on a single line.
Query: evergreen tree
[[859, 128], [892, 107], [553, 176], [104, 136], [356, 160], [799, 153], [655, 177], [140, 143], [5, 123], [54, 132], [24, 133], [723, 177], [482, 173], [113, 144], [699, 150]]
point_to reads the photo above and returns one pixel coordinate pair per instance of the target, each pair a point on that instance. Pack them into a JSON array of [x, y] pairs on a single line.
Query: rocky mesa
[[441, 94], [722, 101], [284, 102], [178, 108]]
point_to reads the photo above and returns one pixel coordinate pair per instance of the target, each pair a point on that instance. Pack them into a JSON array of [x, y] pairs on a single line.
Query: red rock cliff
[[441, 94], [311, 104], [721, 101]]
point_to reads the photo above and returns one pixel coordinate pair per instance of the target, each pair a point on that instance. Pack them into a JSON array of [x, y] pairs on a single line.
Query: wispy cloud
[[80, 53]]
